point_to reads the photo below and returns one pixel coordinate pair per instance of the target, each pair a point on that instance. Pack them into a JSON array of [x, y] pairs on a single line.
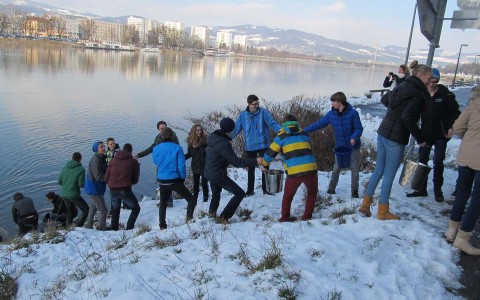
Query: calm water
[[54, 102]]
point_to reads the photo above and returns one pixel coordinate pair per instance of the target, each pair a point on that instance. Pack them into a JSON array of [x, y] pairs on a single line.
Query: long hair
[[193, 139]]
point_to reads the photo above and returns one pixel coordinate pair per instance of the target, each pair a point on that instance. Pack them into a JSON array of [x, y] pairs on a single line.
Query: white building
[[240, 41], [179, 26], [224, 39], [202, 34], [140, 26]]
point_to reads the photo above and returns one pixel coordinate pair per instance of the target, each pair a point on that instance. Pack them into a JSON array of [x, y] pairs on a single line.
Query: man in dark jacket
[[437, 118], [220, 155], [24, 214], [95, 186], [403, 111], [171, 173], [347, 130], [123, 171], [59, 211], [72, 178]]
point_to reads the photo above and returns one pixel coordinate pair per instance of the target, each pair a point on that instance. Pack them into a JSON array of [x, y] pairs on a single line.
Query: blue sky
[[367, 22]]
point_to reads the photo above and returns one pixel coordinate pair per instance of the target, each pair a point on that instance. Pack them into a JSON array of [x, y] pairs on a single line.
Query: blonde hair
[[406, 69], [193, 139], [475, 93], [421, 68]]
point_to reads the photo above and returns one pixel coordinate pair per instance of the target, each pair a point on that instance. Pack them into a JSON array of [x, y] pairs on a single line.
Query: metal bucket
[[415, 174], [274, 181]]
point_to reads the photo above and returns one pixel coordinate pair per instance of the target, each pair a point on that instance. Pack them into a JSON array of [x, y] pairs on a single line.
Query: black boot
[[438, 193], [417, 194]]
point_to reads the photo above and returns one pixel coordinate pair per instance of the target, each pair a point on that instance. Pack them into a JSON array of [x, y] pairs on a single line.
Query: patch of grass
[[271, 259], [143, 229], [54, 289], [287, 292], [8, 286], [315, 253], [244, 214], [334, 295], [343, 211], [118, 243], [159, 243]]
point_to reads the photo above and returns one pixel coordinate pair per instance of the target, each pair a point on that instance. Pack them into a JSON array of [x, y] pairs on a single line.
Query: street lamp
[[474, 67], [458, 60]]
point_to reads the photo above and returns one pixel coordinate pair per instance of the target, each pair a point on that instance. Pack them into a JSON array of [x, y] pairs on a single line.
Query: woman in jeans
[[403, 111], [197, 149], [461, 224]]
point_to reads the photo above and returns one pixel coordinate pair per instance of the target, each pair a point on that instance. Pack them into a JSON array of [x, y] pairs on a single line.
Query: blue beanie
[[227, 125], [436, 74], [95, 147]]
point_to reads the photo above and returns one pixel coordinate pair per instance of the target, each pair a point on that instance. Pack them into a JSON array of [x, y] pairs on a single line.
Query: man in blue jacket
[[255, 123], [171, 173], [347, 130]]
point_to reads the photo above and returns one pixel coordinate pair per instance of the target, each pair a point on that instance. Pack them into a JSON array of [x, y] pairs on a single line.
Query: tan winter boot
[[452, 230], [365, 208], [462, 242], [384, 213]]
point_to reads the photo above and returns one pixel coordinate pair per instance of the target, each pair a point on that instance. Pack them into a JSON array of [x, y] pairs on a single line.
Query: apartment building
[[224, 39], [201, 33], [140, 25], [240, 41]]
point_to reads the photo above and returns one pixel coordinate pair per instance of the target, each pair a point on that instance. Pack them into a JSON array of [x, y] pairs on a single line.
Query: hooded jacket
[[467, 128], [123, 171], [220, 155], [346, 126], [296, 149], [94, 181], [170, 162], [71, 178], [404, 107]]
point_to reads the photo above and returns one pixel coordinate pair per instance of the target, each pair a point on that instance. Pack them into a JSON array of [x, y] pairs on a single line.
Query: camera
[[390, 73]]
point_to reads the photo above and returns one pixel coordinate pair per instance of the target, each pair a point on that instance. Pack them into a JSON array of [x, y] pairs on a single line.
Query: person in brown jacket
[[461, 223], [123, 171]]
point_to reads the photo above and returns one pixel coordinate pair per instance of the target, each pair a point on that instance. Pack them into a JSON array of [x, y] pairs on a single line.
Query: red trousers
[[291, 186]]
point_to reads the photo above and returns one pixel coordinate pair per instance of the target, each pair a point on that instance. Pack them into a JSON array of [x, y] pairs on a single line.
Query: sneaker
[[221, 220], [170, 204], [331, 192], [267, 193], [417, 194], [163, 227], [205, 199], [439, 197], [248, 193], [212, 214], [291, 219], [355, 194]]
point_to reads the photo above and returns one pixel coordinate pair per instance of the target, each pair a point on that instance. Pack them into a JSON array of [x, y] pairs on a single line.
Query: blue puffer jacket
[[256, 128], [170, 162], [346, 126]]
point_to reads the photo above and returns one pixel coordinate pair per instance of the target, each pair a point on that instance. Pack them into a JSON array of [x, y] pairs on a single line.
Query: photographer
[[392, 80]]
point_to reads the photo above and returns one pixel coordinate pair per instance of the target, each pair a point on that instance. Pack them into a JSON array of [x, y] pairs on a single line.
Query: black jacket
[[198, 155], [404, 107], [23, 207], [220, 155], [439, 114], [59, 205]]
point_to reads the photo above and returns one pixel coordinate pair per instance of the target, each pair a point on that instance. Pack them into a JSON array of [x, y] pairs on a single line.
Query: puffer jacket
[[467, 127], [404, 107], [296, 149], [71, 178], [198, 155], [170, 162], [220, 155], [439, 114], [346, 126], [94, 181], [23, 207], [123, 171], [256, 128]]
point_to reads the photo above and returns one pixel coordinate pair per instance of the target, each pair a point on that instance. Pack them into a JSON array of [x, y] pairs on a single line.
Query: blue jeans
[[229, 185], [389, 157], [466, 179], [126, 195]]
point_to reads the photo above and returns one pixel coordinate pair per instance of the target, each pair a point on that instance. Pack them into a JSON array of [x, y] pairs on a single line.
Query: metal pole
[[474, 67], [437, 31], [458, 60], [411, 32]]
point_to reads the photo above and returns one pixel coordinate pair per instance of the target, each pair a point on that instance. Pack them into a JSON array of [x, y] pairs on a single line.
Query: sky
[[351, 257], [373, 22]]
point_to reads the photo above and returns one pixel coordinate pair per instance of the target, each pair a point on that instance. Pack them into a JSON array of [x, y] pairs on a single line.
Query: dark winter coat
[[404, 106], [158, 140], [170, 162], [123, 171], [346, 126], [72, 178], [94, 181], [388, 83], [439, 114], [220, 155], [59, 205], [198, 155], [23, 207]]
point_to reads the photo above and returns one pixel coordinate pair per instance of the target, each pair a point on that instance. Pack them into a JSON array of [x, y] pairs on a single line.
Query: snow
[[329, 257]]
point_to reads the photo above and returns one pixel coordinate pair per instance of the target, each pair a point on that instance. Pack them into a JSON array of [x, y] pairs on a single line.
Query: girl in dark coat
[[197, 149]]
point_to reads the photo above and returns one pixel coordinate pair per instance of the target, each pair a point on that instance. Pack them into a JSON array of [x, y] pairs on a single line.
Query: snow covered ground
[[337, 255]]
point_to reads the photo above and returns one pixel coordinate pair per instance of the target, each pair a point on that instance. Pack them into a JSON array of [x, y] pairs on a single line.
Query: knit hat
[[95, 147], [227, 125], [436, 74]]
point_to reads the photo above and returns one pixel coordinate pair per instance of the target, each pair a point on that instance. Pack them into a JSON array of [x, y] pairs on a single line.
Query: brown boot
[[452, 230], [365, 208], [462, 242], [384, 213]]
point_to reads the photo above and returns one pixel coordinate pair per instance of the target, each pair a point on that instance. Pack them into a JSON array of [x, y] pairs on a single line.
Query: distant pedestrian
[[95, 186], [59, 211], [123, 171], [300, 165], [197, 150], [347, 130], [394, 79], [171, 174], [220, 155], [72, 178], [24, 214], [255, 122]]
